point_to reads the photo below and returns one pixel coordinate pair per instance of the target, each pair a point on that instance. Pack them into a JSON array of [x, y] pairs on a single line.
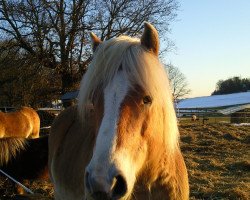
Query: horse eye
[[147, 100]]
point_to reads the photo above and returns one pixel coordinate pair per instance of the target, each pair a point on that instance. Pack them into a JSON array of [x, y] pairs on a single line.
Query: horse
[[194, 117], [25, 123], [25, 159], [121, 142]]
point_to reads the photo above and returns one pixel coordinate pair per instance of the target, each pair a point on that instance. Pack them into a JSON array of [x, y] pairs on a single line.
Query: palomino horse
[[127, 145], [24, 123]]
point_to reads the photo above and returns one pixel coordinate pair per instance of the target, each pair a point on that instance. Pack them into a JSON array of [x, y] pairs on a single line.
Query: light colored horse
[[122, 142], [24, 123], [194, 117]]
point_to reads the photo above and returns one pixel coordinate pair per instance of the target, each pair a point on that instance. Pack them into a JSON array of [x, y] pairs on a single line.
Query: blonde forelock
[[141, 67]]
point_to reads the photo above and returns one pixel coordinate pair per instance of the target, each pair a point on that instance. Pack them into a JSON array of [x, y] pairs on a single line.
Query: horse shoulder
[[59, 129]]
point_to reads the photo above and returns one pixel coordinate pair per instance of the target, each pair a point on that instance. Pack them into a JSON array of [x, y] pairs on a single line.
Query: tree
[[178, 82], [232, 85], [22, 82], [54, 33]]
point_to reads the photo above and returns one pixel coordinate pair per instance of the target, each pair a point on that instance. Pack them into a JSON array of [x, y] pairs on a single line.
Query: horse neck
[[164, 175], [172, 179]]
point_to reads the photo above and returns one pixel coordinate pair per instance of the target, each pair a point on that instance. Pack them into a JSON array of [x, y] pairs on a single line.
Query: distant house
[[236, 105], [69, 98]]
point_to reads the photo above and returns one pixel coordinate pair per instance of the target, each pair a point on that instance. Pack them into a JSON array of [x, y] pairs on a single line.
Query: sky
[[212, 39]]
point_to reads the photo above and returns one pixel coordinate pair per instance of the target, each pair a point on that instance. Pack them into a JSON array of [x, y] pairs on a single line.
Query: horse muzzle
[[111, 187]]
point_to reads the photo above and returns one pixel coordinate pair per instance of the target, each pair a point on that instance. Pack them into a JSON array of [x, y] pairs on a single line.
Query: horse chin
[[104, 197]]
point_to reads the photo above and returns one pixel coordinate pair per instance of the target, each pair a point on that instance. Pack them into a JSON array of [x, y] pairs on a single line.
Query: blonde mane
[[9, 148], [141, 68]]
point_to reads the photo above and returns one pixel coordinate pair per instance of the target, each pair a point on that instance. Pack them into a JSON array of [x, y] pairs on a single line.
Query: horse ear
[[95, 41], [150, 38]]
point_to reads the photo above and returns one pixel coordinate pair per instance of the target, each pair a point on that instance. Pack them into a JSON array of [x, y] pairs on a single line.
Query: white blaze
[[114, 95]]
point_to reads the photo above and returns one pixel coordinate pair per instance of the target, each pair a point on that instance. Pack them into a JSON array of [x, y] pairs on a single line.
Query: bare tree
[[178, 82], [55, 33], [22, 82]]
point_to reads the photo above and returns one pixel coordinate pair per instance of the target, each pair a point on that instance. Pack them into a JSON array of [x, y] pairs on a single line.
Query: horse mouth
[[101, 196]]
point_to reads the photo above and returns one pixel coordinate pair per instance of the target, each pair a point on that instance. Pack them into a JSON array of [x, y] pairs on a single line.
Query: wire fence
[[204, 116]]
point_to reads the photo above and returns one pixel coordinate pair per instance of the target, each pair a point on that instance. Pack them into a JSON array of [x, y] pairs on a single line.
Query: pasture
[[217, 158]]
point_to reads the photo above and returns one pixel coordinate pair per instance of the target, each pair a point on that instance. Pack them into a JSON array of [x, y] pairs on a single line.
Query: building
[[69, 98], [236, 105]]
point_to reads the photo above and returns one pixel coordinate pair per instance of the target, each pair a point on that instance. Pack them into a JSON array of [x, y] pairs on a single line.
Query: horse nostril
[[119, 187]]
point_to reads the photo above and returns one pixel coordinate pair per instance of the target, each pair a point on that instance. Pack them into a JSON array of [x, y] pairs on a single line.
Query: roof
[[233, 109], [216, 101], [70, 95]]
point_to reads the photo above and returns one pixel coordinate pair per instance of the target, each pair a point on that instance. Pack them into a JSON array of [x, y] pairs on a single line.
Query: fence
[[212, 116], [47, 116]]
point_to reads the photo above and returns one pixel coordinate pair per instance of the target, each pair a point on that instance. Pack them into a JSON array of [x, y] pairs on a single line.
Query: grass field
[[217, 158]]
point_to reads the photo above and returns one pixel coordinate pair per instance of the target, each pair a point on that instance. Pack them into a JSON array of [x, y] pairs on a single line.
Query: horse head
[[135, 121]]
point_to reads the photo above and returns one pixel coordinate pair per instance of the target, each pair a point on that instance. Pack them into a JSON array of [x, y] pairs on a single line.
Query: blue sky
[[213, 42]]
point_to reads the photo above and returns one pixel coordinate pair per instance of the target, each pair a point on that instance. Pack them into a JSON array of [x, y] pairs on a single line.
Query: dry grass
[[217, 158]]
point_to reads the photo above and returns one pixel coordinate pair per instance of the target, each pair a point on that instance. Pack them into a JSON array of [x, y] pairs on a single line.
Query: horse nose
[[119, 187], [96, 184], [101, 189]]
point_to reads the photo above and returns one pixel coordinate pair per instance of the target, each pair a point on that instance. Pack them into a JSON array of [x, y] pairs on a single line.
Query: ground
[[217, 158]]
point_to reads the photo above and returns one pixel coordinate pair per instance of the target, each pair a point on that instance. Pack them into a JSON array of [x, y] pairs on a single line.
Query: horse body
[[22, 123], [126, 145]]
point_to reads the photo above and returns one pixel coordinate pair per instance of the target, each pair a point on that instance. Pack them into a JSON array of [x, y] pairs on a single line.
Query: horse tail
[[9, 148]]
